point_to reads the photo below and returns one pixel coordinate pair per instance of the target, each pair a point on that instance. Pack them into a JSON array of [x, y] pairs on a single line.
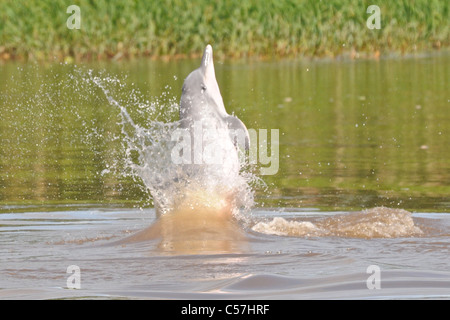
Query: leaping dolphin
[[201, 101], [203, 196]]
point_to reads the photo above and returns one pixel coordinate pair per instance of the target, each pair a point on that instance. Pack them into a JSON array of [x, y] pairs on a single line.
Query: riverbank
[[171, 29]]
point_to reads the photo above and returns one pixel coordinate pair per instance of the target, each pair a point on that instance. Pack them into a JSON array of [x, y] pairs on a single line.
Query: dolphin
[[201, 101], [205, 196]]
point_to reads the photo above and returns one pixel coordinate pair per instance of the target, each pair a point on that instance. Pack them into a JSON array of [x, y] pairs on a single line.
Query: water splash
[[113, 143], [148, 157]]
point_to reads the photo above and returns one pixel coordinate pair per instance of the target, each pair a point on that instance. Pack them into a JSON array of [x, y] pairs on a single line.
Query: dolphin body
[[215, 143], [203, 197], [202, 103]]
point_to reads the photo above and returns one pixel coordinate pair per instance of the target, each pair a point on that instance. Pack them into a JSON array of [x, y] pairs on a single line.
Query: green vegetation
[[36, 30]]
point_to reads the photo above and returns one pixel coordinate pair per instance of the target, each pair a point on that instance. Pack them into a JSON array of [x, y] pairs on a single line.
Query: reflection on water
[[203, 228]]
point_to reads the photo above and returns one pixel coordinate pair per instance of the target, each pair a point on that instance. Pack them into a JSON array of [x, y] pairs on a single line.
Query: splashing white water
[[148, 156]]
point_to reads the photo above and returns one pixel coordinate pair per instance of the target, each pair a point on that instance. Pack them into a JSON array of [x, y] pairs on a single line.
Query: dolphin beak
[[207, 62], [210, 81]]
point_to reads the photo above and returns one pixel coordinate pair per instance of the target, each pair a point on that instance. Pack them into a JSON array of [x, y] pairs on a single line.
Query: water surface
[[37, 248], [354, 135]]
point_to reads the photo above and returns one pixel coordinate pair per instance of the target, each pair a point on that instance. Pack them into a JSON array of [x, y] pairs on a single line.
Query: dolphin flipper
[[238, 132]]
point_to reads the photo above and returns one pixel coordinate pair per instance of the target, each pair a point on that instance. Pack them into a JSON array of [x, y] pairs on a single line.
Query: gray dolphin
[[201, 101]]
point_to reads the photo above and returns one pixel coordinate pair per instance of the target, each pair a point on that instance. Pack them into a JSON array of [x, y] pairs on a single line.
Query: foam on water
[[377, 222]]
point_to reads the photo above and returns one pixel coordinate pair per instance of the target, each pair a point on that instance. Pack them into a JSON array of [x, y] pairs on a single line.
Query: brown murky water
[[308, 255]]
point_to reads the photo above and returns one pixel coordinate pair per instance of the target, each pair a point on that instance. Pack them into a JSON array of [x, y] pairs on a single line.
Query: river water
[[38, 247], [358, 208]]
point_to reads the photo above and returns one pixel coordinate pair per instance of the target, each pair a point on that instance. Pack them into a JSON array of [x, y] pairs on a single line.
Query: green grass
[[36, 30]]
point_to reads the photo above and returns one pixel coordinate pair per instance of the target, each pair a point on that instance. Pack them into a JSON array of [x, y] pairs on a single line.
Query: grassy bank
[[36, 30]]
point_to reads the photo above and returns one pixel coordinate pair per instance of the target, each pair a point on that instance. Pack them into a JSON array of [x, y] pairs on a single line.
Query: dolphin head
[[201, 93], [201, 100]]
